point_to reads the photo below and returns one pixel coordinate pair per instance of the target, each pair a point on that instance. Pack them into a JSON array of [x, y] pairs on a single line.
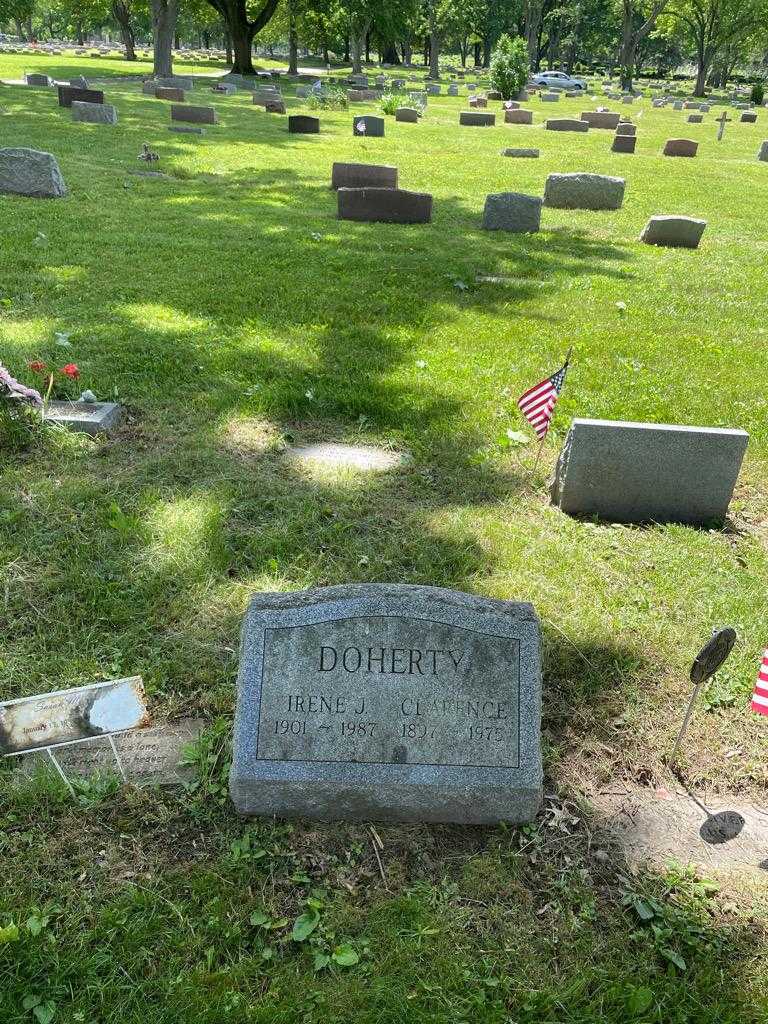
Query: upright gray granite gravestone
[[648, 472], [378, 701]]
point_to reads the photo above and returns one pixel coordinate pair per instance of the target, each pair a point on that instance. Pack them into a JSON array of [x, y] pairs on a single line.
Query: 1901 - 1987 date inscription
[[389, 689]]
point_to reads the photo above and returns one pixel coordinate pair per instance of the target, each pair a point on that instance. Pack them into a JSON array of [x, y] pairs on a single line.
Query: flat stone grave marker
[[184, 129], [519, 152], [345, 175], [388, 702], [623, 144], [347, 456], [368, 126], [196, 115], [648, 472], [518, 116], [387, 205], [512, 211], [565, 124], [303, 124], [477, 119], [68, 93], [169, 92], [680, 147], [85, 417]]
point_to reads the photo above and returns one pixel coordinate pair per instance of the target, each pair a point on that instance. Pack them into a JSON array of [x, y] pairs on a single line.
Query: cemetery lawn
[[233, 316]]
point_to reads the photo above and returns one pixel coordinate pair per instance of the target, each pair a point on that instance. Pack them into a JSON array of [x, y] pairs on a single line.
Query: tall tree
[[712, 26], [638, 17], [243, 20], [164, 16], [122, 12]]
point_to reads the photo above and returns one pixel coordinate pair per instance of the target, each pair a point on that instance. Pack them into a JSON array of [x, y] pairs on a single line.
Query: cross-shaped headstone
[[722, 121]]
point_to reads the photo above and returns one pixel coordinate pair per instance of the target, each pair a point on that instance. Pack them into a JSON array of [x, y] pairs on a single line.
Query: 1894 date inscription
[[389, 689]]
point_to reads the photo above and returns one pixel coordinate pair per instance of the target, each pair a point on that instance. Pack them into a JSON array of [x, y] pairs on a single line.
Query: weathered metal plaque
[[712, 655], [71, 716]]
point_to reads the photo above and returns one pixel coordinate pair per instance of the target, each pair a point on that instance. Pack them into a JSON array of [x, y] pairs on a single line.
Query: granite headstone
[[394, 702]]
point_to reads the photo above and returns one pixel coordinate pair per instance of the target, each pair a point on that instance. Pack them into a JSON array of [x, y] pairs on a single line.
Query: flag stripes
[[538, 402], [760, 692]]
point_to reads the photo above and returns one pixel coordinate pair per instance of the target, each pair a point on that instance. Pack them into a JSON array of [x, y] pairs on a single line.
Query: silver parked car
[[558, 80]]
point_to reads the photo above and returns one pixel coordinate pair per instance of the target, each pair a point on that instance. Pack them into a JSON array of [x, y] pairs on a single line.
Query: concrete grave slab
[[85, 417], [648, 472], [348, 456], [584, 192], [523, 153]]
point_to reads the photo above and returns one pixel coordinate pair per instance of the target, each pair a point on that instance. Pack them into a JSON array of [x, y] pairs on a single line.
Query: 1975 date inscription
[[388, 689]]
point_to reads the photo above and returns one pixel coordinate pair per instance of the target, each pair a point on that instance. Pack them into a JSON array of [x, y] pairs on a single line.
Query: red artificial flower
[[71, 371], [37, 366]]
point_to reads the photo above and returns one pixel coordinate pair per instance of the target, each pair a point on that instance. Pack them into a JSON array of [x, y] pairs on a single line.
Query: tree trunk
[[627, 53], [206, 38], [79, 34], [121, 12], [434, 45], [477, 55], [357, 45], [164, 14], [407, 52], [293, 41], [242, 31], [242, 46], [367, 47], [389, 54], [533, 15], [464, 50], [347, 57], [228, 47]]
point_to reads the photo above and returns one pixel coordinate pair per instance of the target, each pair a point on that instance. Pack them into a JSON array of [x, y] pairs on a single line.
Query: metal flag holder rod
[[707, 662]]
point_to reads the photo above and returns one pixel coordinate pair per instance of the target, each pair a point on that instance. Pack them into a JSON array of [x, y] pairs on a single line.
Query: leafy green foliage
[[509, 66]]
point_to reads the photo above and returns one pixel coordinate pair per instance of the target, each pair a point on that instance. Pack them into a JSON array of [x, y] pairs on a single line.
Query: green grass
[[230, 311]]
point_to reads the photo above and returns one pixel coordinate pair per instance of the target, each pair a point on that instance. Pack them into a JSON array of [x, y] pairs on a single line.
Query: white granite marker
[[377, 701]]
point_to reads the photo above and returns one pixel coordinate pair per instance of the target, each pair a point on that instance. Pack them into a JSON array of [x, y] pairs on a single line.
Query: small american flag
[[760, 692], [538, 402]]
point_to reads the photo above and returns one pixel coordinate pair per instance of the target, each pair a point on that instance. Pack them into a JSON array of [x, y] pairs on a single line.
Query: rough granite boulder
[[512, 211], [677, 232], [584, 192], [30, 172], [94, 113]]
